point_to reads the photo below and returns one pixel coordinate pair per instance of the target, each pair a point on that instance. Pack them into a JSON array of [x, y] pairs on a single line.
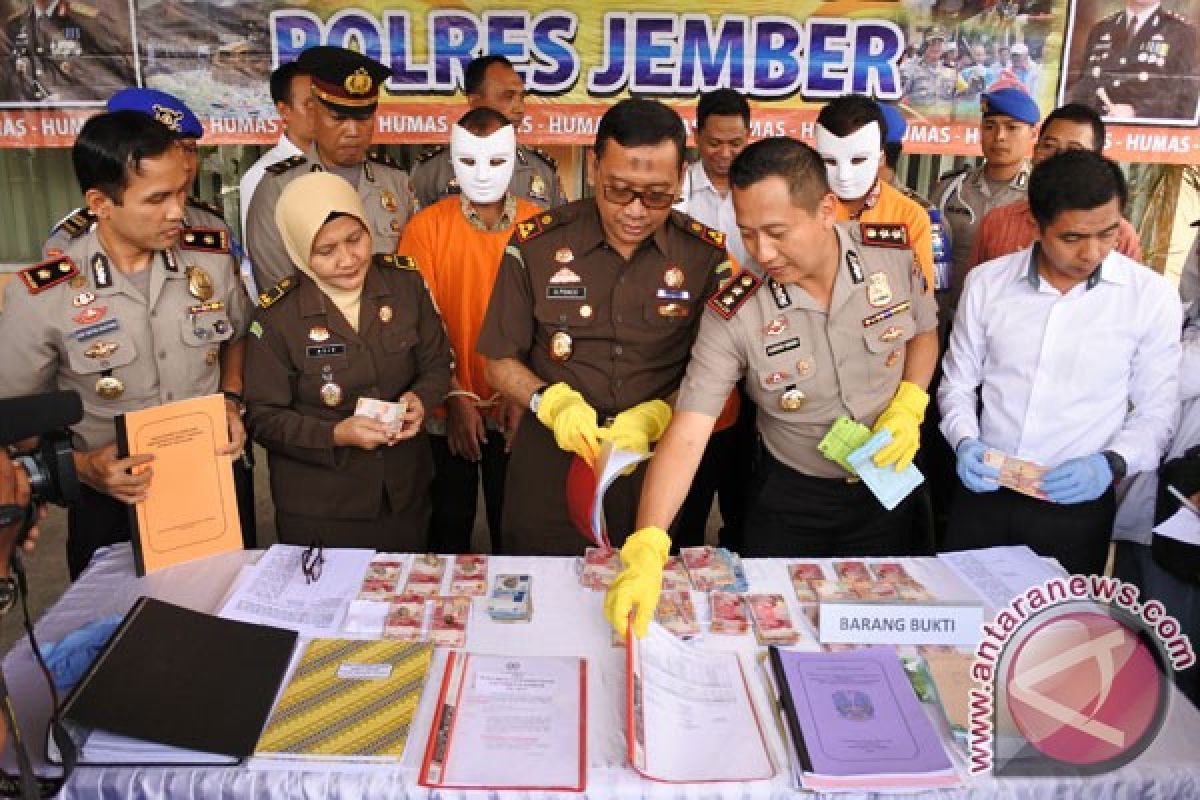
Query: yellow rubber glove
[[903, 418], [573, 421], [640, 583], [638, 427]]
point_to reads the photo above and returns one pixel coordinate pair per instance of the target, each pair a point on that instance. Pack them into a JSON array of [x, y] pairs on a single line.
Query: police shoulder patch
[[698, 229], [884, 234], [378, 155], [954, 173], [290, 163], [544, 156], [41, 277], [916, 198], [205, 240], [395, 262], [429, 152], [728, 300], [536, 225], [204, 205], [77, 222], [275, 293]]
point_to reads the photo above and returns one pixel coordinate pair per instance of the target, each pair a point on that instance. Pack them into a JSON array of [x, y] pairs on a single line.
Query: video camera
[[51, 465]]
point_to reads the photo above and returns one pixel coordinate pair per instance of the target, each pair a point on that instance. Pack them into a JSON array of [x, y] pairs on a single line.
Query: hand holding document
[[586, 486]]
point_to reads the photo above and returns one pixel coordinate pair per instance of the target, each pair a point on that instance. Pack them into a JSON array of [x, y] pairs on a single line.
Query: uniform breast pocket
[[106, 352], [206, 330], [664, 313], [387, 228], [557, 311], [885, 343]]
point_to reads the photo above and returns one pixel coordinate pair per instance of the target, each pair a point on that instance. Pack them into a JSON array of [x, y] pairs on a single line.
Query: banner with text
[[59, 60]]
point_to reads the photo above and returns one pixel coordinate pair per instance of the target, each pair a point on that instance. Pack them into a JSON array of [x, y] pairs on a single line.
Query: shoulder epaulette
[[205, 240], [395, 262], [728, 300], [273, 295], [84, 10], [954, 173], [204, 205], [41, 277], [537, 225], [544, 156], [381, 157], [429, 152], [916, 198], [884, 234], [76, 223], [291, 162], [698, 229]]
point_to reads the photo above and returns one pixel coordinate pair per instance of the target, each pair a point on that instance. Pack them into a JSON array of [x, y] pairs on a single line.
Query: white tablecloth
[[567, 621]]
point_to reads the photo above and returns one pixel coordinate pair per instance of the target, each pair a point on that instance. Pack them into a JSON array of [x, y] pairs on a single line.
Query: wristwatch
[[535, 400], [8, 593], [1116, 462]]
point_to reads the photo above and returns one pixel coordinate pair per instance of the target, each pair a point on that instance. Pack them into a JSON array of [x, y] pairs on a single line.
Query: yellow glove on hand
[[638, 427], [573, 421], [903, 418], [639, 584]]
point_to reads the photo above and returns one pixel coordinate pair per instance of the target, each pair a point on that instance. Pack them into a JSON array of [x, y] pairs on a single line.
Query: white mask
[[851, 162], [491, 161]]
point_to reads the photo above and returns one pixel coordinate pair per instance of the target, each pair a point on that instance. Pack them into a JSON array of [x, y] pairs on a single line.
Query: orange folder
[[191, 511]]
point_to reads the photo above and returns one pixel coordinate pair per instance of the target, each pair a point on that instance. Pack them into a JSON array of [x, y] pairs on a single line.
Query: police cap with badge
[[168, 109], [345, 81]]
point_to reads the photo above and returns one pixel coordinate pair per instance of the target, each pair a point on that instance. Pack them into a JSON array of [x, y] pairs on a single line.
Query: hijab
[[304, 207]]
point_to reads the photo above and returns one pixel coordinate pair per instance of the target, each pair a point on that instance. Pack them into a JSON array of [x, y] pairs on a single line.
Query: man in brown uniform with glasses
[[591, 320]]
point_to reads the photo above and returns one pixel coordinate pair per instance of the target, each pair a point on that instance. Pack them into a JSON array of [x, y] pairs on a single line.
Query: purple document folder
[[855, 714]]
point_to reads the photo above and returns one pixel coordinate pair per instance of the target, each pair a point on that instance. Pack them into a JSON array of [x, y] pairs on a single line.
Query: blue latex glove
[[1078, 480], [975, 475], [70, 658]]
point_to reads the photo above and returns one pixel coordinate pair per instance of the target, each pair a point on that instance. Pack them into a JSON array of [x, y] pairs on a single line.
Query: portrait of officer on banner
[[1134, 60], [64, 52]]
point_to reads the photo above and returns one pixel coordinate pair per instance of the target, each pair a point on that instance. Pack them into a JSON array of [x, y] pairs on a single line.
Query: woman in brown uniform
[[348, 325]]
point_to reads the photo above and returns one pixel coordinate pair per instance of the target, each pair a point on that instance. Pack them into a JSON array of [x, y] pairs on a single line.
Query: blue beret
[[1012, 103], [166, 108], [896, 125]]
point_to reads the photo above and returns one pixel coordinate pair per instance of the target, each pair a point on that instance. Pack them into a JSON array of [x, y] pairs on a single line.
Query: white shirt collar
[[1113, 269]]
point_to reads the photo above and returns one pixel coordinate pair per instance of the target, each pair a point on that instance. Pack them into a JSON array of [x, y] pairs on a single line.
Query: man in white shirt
[[1074, 350], [291, 91], [722, 131]]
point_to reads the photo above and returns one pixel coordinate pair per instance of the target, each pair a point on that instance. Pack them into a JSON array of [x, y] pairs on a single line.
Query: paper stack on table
[[425, 575], [511, 599]]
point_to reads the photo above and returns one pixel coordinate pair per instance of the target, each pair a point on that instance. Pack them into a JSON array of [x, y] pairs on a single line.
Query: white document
[[611, 462], [695, 716], [1182, 526], [277, 593], [509, 722], [999, 574]]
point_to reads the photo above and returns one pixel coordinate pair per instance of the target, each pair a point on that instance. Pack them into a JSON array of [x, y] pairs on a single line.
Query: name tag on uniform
[[323, 350], [673, 294], [783, 347], [566, 292]]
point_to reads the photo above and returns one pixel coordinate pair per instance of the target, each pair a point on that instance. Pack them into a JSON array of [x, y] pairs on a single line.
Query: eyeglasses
[[312, 560], [655, 199]]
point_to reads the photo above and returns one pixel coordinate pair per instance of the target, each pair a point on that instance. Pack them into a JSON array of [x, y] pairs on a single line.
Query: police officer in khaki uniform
[[491, 82], [347, 86], [927, 82], [590, 323], [174, 114], [136, 313], [348, 325], [842, 324], [1007, 133]]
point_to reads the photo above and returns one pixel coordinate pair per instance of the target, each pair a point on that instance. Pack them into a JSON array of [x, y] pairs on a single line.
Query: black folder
[[183, 678]]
